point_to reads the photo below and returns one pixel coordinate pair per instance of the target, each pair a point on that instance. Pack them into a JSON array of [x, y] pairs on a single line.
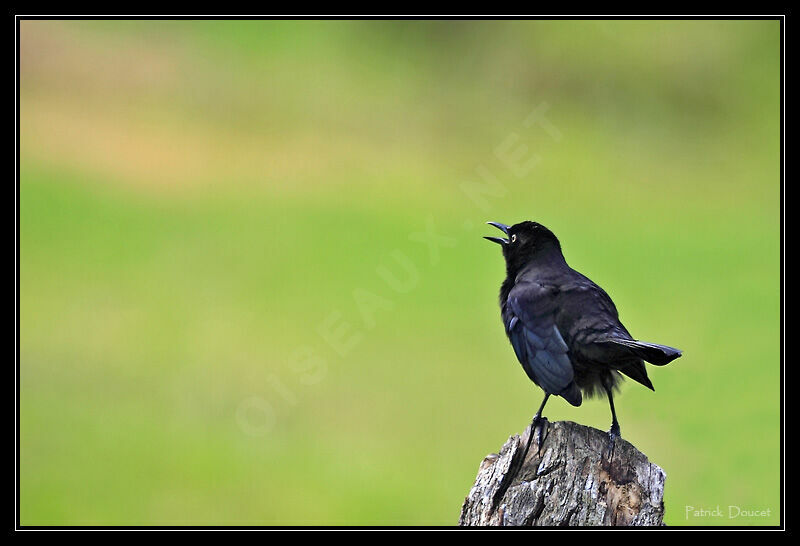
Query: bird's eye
[[513, 237]]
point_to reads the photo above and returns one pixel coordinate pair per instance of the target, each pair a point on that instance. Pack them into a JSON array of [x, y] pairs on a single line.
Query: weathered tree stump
[[569, 477]]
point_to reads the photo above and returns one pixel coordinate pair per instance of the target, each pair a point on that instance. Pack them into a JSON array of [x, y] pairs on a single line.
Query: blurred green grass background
[[200, 199]]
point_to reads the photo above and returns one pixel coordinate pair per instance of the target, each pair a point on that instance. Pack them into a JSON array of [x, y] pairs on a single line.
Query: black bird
[[565, 329]]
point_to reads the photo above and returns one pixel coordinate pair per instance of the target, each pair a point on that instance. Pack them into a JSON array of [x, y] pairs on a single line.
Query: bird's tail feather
[[653, 353], [637, 372]]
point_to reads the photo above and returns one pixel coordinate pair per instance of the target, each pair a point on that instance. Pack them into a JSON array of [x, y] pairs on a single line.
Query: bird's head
[[526, 243]]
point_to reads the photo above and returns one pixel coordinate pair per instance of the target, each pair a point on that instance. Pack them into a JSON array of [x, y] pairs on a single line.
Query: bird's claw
[[613, 434], [538, 420], [536, 424]]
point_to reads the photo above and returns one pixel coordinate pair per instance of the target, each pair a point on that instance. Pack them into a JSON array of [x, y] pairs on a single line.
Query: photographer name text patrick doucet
[[731, 512]]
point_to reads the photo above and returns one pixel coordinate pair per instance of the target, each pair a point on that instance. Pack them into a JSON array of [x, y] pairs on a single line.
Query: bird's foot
[[536, 424], [613, 435]]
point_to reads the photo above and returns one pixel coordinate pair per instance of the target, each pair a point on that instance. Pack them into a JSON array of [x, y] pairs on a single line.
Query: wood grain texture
[[570, 476]]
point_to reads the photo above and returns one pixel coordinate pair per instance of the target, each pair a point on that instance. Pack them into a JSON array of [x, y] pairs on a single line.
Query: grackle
[[564, 329]]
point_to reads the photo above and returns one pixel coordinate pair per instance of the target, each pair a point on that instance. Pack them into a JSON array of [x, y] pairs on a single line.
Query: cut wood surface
[[572, 475]]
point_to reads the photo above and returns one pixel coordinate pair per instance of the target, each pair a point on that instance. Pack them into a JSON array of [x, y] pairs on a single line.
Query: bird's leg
[[538, 416], [534, 423], [613, 432]]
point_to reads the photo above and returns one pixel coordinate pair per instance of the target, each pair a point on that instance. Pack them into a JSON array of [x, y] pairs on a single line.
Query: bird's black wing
[[601, 337], [529, 317]]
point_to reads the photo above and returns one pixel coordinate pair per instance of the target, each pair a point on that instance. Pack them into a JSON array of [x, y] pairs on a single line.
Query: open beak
[[501, 227]]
